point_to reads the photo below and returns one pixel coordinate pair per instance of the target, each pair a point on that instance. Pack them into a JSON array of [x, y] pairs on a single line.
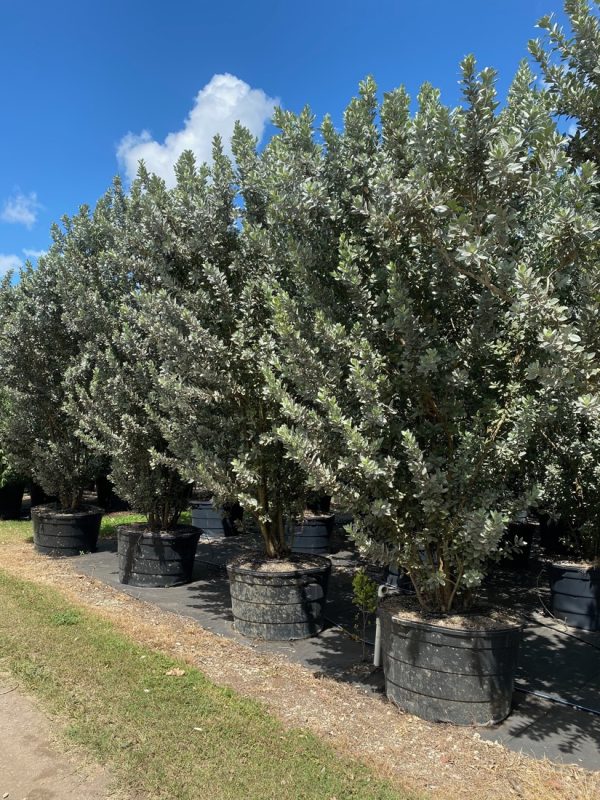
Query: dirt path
[[32, 765]]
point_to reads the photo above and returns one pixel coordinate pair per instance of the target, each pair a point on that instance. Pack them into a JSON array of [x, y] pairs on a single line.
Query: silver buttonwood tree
[[119, 379], [417, 397], [38, 347], [569, 61], [214, 339]]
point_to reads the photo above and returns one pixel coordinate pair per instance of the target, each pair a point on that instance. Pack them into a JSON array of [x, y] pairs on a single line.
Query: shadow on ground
[[554, 660]]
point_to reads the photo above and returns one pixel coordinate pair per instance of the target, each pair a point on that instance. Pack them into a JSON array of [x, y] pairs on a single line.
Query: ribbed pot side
[[207, 518], [279, 605], [312, 535], [62, 533], [154, 559], [575, 595], [445, 674]]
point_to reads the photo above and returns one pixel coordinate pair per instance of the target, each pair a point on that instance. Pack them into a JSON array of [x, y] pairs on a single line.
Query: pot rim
[[308, 518], [497, 630], [50, 510], [140, 529], [323, 564], [570, 565]]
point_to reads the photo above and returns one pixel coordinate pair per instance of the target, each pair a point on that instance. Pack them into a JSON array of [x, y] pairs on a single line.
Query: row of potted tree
[[402, 314]]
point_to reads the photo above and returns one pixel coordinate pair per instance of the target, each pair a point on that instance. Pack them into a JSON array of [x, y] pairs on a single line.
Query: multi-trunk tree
[[418, 395], [213, 336], [118, 394], [571, 463], [39, 347]]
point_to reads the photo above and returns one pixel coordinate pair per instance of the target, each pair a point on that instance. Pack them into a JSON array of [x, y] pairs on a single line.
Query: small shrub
[[364, 597]]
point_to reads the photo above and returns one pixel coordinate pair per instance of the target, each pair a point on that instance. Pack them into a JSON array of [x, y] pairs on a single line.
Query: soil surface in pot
[[309, 514], [480, 618], [143, 529], [56, 510], [277, 564], [585, 566]]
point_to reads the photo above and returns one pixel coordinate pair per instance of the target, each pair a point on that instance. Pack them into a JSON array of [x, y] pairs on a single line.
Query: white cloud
[[217, 106], [21, 209], [33, 253], [8, 262]]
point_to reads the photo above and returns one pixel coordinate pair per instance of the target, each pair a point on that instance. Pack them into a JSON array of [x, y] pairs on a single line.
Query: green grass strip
[[111, 522], [166, 737], [14, 532]]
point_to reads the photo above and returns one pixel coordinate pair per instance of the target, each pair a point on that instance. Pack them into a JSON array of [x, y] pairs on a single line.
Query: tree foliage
[[570, 465], [569, 63], [213, 334], [117, 395], [418, 395], [37, 349], [403, 313]]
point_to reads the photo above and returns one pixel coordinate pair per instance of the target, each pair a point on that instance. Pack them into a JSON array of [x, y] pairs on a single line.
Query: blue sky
[[91, 86]]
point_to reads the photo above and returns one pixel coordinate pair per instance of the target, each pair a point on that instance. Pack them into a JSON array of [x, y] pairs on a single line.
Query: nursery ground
[[165, 730], [553, 660], [441, 761]]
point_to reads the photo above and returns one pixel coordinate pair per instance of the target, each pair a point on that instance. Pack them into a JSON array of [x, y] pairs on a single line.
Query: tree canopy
[[402, 313]]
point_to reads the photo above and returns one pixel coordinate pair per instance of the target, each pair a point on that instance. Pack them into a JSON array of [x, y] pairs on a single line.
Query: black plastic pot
[[233, 519], [11, 500], [207, 519], [312, 535], [445, 674], [575, 595], [279, 605], [398, 579], [151, 559], [65, 533], [216, 523]]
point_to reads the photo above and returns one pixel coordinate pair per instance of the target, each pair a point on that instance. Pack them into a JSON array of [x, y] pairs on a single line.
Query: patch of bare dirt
[[32, 764], [440, 760]]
